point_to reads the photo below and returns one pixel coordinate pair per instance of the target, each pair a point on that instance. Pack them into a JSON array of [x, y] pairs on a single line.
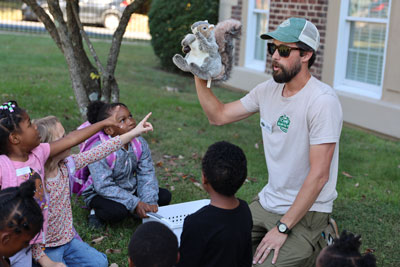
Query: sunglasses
[[283, 50]]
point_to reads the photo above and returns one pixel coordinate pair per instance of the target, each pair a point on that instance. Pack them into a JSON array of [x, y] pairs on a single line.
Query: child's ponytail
[[10, 117], [19, 210]]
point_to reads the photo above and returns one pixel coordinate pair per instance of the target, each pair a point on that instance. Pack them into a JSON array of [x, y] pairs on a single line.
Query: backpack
[[82, 178]]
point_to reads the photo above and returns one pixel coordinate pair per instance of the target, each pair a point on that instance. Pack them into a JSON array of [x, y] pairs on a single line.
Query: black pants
[[112, 211]]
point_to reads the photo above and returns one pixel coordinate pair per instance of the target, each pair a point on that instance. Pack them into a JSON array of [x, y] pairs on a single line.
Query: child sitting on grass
[[61, 242], [219, 234], [22, 157], [20, 219], [153, 244], [128, 186], [345, 252]]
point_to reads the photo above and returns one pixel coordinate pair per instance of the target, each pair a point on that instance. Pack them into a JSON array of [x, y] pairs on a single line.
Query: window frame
[[250, 61], [340, 81]]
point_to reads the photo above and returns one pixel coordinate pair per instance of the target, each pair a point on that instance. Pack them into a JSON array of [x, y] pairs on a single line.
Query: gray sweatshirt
[[128, 182]]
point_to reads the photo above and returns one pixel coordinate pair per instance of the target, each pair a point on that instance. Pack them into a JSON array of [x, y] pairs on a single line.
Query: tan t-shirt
[[290, 125]]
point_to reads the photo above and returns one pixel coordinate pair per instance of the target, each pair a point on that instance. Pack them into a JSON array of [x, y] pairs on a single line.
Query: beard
[[285, 75]]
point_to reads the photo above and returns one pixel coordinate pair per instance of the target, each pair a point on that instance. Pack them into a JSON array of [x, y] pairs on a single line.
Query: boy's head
[[345, 252], [98, 111], [153, 245], [224, 166]]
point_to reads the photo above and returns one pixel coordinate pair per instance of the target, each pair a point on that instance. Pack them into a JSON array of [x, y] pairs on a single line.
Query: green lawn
[[34, 73]]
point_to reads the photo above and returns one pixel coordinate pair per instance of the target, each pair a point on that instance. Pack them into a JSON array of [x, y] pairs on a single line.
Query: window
[[361, 48], [256, 25]]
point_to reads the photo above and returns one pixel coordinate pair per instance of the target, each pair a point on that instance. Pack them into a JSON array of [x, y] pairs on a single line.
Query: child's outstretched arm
[[142, 127], [78, 136], [104, 149]]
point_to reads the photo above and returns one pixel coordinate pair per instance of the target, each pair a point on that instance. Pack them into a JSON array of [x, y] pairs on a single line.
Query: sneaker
[[330, 232], [95, 222]]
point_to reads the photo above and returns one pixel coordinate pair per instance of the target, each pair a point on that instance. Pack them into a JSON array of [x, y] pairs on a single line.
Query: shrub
[[170, 21]]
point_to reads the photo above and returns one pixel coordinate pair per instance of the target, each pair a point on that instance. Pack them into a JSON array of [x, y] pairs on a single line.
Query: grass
[[33, 72]]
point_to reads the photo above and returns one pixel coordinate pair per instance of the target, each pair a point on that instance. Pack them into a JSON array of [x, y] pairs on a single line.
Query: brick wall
[[313, 10], [236, 13]]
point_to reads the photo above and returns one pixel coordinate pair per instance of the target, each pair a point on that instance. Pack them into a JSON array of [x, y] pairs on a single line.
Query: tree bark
[[110, 90], [67, 47], [89, 74]]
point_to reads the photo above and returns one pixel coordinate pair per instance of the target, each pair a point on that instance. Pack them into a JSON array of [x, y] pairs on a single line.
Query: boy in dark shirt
[[219, 234]]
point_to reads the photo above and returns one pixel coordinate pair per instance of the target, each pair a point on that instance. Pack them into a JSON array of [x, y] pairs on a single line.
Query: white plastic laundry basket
[[174, 215]]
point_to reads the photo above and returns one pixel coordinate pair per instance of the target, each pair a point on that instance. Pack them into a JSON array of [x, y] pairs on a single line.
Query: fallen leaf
[[181, 157], [184, 177], [171, 89], [173, 163], [247, 180], [98, 240], [200, 131], [159, 163], [236, 135], [370, 250], [179, 108], [166, 169], [195, 156], [164, 178], [363, 197], [252, 179], [113, 251], [379, 219], [347, 174], [388, 191], [196, 183], [365, 174], [114, 265], [166, 156], [357, 185], [256, 146], [179, 129], [179, 173], [172, 188], [175, 179], [398, 166], [153, 140]]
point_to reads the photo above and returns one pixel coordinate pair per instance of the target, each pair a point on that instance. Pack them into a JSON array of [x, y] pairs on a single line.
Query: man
[[301, 121]]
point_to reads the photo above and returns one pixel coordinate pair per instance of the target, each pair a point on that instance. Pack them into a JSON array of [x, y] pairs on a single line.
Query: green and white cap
[[294, 30]]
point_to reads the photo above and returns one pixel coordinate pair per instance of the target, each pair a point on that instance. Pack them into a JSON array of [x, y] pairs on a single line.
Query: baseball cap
[[294, 30]]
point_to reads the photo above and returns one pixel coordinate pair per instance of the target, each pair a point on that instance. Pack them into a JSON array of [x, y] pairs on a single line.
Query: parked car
[[104, 12]]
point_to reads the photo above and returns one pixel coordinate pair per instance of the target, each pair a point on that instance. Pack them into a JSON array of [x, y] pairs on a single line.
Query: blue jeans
[[77, 253]]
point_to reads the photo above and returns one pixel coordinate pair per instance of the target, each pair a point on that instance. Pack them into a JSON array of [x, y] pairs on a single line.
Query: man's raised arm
[[217, 112]]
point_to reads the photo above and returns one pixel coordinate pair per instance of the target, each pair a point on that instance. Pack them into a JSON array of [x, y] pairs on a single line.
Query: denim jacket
[[128, 182]]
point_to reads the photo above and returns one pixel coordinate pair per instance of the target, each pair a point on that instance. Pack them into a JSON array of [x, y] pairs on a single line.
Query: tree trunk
[[89, 75], [110, 87], [84, 76], [73, 64]]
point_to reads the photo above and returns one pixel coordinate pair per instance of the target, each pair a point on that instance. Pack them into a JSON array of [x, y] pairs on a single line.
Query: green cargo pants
[[303, 244]]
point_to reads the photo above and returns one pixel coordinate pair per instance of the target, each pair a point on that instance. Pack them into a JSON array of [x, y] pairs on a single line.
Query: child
[[21, 151], [127, 187], [153, 244], [20, 219], [219, 234], [62, 244], [345, 252]]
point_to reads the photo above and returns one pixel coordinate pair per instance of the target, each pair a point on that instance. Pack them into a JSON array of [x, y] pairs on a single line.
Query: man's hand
[[273, 240], [142, 208]]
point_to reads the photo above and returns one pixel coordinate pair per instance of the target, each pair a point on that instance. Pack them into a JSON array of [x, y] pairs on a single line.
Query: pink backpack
[[82, 179]]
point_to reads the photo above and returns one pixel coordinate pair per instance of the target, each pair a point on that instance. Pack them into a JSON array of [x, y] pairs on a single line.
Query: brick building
[[357, 55]]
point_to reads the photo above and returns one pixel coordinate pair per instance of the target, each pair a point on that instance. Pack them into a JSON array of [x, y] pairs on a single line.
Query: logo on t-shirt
[[283, 123]]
